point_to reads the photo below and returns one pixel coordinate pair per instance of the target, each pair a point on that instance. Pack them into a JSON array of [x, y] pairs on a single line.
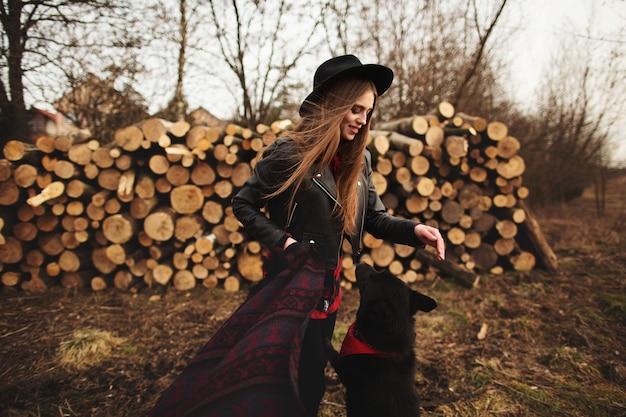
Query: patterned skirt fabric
[[249, 367]]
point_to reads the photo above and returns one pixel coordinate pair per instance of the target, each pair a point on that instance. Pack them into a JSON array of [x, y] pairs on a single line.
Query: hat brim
[[381, 76]]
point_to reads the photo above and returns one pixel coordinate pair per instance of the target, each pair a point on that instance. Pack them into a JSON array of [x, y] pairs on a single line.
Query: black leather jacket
[[311, 218]]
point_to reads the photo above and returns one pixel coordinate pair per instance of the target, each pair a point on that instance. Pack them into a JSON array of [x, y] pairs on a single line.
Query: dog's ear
[[363, 271], [420, 302]]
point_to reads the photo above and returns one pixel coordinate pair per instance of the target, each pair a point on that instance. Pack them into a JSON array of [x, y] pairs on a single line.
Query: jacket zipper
[[293, 211], [315, 180], [329, 194]]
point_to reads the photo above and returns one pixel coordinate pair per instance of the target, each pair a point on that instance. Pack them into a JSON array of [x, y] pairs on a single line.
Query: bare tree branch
[[474, 65]]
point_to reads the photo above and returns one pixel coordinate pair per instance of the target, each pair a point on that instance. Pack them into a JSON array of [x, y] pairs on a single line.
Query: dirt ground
[[554, 345]]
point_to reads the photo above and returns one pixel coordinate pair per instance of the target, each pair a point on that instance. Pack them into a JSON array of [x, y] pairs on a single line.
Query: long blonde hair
[[317, 137]]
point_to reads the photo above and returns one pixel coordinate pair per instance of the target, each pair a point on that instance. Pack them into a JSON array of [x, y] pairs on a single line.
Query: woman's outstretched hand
[[432, 237]]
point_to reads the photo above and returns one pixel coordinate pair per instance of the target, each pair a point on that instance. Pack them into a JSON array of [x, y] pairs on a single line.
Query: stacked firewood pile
[[153, 207]]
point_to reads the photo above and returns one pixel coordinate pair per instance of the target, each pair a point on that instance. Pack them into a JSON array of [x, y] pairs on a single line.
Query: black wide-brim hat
[[346, 66]]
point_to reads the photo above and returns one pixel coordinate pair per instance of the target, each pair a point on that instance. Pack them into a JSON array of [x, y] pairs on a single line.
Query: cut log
[[15, 150], [444, 110], [420, 165], [77, 188], [250, 266], [472, 240], [119, 228], [141, 207], [224, 189], [186, 199], [202, 174], [456, 236], [477, 123], [11, 251], [177, 175], [69, 261], [508, 147], [158, 164], [102, 158], [10, 278], [129, 138], [23, 231], [416, 204], [35, 285], [25, 175], [153, 129], [162, 274], [116, 254], [10, 193], [511, 168], [451, 212], [403, 251], [50, 243], [126, 185], [232, 283], [380, 145], [52, 191], [122, 280], [380, 182], [159, 225], [199, 271], [456, 146], [45, 144], [466, 278], [538, 240], [179, 128], [507, 229], [6, 169], [425, 186], [383, 255], [184, 280], [434, 136], [523, 262], [241, 172], [484, 257], [504, 247], [80, 154], [497, 130], [144, 187], [109, 179], [470, 196], [188, 227], [414, 126], [484, 222]]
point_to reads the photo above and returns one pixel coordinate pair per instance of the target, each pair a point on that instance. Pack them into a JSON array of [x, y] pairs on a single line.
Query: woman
[[314, 186]]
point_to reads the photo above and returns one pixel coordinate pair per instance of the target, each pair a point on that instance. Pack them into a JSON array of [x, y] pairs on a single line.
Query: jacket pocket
[[314, 239]]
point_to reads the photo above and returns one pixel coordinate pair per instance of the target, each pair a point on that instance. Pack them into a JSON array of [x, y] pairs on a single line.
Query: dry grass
[[554, 344], [87, 347]]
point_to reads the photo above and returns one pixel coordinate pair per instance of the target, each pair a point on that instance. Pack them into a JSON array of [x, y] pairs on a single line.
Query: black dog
[[377, 362]]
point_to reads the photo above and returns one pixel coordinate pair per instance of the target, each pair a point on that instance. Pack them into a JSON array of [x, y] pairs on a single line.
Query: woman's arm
[[432, 237], [249, 202], [382, 225]]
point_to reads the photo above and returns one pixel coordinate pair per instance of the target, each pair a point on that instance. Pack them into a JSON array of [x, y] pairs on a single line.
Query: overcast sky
[[545, 22]]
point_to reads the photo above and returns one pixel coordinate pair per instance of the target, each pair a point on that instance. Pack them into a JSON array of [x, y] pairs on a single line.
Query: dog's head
[[387, 307]]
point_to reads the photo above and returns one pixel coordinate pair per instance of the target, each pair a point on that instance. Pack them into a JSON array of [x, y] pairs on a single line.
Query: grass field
[[555, 345]]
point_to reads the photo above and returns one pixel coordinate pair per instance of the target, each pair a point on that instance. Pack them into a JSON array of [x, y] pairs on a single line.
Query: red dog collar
[[356, 344]]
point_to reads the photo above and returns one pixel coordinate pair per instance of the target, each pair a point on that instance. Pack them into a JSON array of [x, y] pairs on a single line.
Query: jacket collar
[[326, 180]]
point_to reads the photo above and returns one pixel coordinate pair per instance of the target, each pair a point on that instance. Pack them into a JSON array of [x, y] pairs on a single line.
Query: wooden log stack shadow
[[152, 208]]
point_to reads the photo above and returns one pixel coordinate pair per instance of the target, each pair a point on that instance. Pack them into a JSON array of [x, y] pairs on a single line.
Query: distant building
[[95, 106], [42, 122], [201, 116]]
